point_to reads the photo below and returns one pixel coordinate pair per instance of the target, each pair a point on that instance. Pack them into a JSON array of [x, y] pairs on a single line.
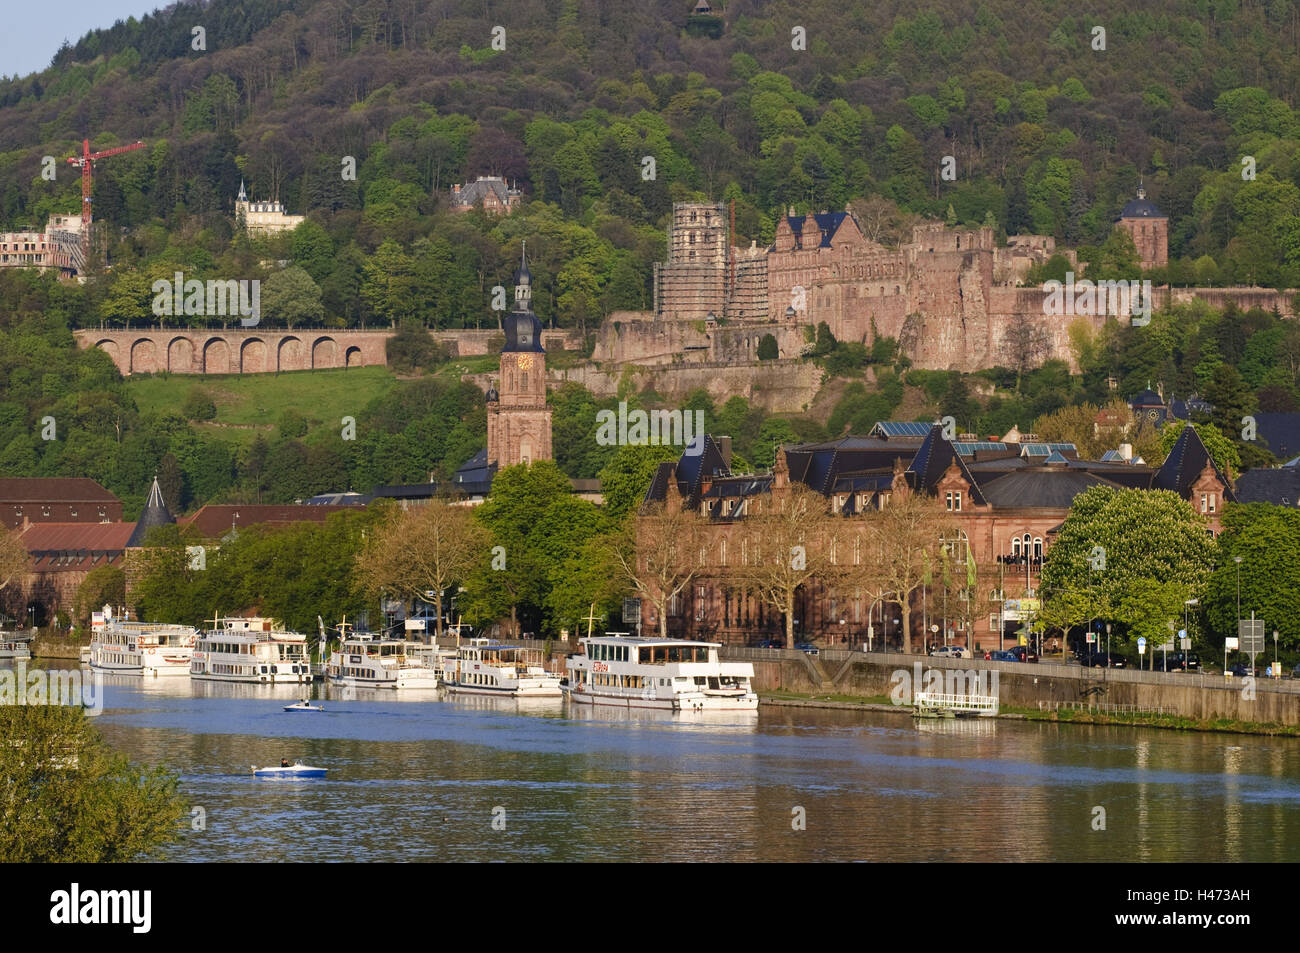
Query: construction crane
[[85, 161]]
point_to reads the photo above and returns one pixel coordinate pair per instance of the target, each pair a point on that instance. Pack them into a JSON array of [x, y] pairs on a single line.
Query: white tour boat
[[363, 661], [671, 674], [127, 647], [250, 649], [485, 667]]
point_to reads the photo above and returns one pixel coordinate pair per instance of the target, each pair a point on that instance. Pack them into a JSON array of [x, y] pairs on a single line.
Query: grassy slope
[[252, 403]]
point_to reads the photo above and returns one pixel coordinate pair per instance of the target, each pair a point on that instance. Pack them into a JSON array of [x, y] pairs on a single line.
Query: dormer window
[[953, 500]]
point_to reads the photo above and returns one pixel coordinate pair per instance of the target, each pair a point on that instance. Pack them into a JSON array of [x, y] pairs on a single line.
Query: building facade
[[1006, 502], [263, 218], [489, 192], [1150, 230], [518, 418]]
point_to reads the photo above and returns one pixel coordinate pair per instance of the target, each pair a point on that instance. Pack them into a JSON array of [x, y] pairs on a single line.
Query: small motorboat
[[295, 770], [303, 705]]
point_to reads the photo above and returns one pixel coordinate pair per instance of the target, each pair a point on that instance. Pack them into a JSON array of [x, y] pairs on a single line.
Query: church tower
[[518, 420]]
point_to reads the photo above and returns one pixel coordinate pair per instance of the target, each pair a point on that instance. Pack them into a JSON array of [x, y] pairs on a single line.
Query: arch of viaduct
[[258, 351], [184, 351]]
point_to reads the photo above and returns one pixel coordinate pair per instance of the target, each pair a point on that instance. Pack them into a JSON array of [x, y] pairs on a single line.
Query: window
[[1015, 547], [722, 553], [699, 604], [993, 623], [1038, 548], [953, 499]]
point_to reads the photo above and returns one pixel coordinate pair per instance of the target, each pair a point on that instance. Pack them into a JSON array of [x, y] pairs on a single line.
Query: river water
[[443, 777]]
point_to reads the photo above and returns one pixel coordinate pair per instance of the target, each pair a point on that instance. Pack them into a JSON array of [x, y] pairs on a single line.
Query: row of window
[[45, 511]]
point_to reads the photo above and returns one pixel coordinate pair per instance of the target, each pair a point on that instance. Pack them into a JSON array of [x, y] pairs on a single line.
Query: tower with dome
[[518, 419]]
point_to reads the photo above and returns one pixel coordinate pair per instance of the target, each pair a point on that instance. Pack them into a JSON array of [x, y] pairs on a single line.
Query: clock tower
[[518, 420]]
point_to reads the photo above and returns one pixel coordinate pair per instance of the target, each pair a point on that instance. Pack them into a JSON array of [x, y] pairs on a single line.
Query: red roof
[[53, 490], [64, 547], [216, 519]]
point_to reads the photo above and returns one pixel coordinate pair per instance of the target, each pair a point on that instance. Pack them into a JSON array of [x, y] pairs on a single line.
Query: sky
[[33, 32]]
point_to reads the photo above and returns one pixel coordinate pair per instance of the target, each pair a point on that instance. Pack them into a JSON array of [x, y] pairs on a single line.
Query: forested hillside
[[1049, 135]]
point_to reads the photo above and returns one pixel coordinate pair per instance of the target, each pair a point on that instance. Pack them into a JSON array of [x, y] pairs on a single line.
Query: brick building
[[56, 500], [1150, 230], [1007, 499], [518, 419]]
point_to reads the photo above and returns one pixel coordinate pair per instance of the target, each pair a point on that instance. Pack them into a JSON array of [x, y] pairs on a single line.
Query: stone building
[[518, 419], [1008, 501], [947, 296], [1150, 230], [488, 191], [263, 218]]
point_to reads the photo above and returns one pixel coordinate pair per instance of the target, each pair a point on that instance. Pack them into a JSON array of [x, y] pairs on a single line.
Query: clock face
[[525, 361]]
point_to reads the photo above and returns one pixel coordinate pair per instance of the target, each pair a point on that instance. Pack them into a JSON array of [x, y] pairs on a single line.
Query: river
[[445, 778]]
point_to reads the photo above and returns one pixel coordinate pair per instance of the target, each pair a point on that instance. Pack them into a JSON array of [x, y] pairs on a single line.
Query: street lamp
[[1108, 625], [1237, 560], [1275, 665], [1187, 632]]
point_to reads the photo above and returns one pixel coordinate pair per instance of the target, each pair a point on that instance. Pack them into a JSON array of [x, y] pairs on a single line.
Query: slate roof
[[932, 461], [1039, 487], [827, 222], [1184, 464], [1141, 207], [476, 191], [1280, 486], [155, 514], [1280, 432]]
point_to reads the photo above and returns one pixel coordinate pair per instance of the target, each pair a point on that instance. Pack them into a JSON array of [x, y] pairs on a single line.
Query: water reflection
[[416, 776]]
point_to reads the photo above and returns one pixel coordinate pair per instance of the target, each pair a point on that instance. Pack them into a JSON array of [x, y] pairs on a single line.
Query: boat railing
[[953, 702]]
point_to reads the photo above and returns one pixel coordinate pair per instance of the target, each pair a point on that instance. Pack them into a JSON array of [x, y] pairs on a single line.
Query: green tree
[[291, 296], [1138, 553], [626, 477], [65, 796], [767, 348]]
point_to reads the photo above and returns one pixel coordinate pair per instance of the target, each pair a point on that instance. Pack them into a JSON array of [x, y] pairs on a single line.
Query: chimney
[[724, 447]]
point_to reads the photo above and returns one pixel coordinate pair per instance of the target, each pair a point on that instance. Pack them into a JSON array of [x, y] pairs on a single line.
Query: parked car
[[1241, 670], [1177, 663], [1099, 660], [951, 651], [1023, 653], [769, 644], [807, 648], [1000, 655]]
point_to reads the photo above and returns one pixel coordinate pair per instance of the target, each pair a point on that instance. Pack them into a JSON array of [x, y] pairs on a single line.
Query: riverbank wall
[[1044, 686]]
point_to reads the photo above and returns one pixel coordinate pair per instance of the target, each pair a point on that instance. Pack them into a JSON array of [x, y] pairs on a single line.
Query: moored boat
[[672, 674], [14, 646], [142, 648], [250, 649], [485, 667], [364, 661]]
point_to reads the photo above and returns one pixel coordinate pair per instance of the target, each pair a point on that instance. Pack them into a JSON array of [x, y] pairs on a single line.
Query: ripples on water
[[418, 778]]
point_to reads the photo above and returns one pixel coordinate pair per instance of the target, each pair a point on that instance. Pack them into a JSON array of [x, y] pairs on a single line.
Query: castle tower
[[1150, 230], [518, 420]]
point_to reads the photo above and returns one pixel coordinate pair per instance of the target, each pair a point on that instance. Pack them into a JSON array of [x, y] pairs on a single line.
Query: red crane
[[85, 161]]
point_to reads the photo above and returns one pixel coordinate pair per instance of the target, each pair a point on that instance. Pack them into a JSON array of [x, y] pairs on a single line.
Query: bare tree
[[659, 552], [1025, 345], [790, 542], [909, 527], [415, 553]]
